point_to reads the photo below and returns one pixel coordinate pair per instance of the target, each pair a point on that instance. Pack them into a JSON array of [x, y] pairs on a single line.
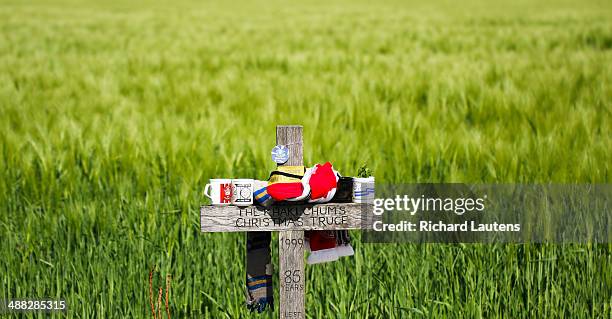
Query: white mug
[[242, 194], [363, 189], [219, 190]]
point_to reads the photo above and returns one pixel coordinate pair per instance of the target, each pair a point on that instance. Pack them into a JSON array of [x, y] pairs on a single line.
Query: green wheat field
[[114, 115]]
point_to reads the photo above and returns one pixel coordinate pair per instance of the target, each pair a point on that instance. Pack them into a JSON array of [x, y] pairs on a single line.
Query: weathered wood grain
[[291, 257], [291, 135], [281, 218], [291, 273]]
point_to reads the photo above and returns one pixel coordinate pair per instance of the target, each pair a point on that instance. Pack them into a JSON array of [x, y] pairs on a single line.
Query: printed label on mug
[[363, 190], [243, 193], [225, 193]]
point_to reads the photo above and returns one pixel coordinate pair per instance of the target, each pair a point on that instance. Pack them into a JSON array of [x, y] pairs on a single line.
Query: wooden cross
[[291, 221]]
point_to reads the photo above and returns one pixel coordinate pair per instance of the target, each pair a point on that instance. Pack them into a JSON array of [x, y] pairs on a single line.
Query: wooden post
[[291, 243]]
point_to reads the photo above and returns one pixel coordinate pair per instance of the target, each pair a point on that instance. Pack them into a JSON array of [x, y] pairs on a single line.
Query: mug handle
[[206, 188]]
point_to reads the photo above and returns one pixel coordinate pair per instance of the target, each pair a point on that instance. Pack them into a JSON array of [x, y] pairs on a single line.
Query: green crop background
[[114, 116]]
